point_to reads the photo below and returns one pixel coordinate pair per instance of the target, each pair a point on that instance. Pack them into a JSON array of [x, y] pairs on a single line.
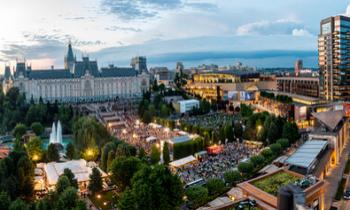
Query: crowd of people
[[142, 135], [214, 166], [211, 120]]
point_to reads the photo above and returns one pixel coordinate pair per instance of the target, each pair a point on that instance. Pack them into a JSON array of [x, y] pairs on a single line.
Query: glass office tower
[[334, 58]]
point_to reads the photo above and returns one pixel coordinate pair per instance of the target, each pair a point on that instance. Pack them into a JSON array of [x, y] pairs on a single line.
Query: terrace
[[273, 183], [265, 188]]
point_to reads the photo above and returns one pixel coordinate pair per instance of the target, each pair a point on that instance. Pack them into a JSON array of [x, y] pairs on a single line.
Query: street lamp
[[35, 157], [259, 128]]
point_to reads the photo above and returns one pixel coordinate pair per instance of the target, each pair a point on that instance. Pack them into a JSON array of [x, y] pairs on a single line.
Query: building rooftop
[[331, 119], [307, 154], [50, 74], [79, 168], [188, 101], [180, 139]]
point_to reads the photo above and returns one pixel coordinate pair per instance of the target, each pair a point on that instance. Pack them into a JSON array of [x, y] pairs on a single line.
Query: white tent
[[151, 138], [183, 161]]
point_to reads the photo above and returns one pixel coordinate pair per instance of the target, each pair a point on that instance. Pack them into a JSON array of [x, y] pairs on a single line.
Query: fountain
[[56, 135]]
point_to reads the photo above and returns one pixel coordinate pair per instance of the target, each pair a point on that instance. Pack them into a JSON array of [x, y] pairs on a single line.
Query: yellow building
[[216, 86]]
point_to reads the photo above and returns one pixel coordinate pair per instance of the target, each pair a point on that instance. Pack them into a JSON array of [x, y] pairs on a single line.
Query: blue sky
[[114, 30]]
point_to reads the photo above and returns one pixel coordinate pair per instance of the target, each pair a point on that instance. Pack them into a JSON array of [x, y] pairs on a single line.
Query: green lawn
[[104, 200], [273, 183]]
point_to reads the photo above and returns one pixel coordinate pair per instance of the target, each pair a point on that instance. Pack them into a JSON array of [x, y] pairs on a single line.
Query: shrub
[[276, 149], [232, 177], [215, 186], [283, 142], [257, 160], [197, 195], [246, 168]]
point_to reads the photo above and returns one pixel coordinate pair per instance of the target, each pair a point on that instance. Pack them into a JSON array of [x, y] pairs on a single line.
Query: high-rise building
[[298, 66], [333, 58], [139, 63], [179, 67]]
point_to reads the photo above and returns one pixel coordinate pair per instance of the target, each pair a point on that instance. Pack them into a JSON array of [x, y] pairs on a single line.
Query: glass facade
[[334, 58]]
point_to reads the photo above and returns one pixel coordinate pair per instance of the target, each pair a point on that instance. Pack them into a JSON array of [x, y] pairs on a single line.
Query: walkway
[[332, 180]]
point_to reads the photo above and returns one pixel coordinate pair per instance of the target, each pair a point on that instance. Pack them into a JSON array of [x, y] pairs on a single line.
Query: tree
[[88, 134], [43, 204], [67, 199], [166, 153], [246, 111], [34, 149], [142, 154], [25, 175], [245, 168], [125, 150], [18, 205], [267, 154], [283, 142], [123, 169], [5, 200], [272, 133], [238, 130], [70, 151], [62, 183], [215, 186], [156, 188], [276, 149], [110, 159], [229, 132], [95, 183], [155, 154], [290, 132], [147, 117], [257, 161], [52, 153], [36, 113], [71, 177], [127, 201], [164, 111], [198, 195], [232, 177], [19, 130], [37, 128], [107, 148]]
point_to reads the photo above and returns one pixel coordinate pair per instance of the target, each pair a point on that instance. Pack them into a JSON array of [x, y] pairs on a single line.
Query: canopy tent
[[215, 149], [155, 125], [184, 161], [79, 168], [183, 133], [151, 138]]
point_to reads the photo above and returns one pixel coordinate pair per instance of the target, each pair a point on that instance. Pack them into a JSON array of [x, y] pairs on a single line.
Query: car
[[347, 194]]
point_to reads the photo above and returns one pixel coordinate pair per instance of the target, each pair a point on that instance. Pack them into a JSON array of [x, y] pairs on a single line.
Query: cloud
[[347, 12], [118, 28], [205, 6], [264, 27], [301, 32], [138, 9]]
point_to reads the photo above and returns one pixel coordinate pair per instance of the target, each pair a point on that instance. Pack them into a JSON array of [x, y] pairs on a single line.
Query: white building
[[79, 81], [186, 105]]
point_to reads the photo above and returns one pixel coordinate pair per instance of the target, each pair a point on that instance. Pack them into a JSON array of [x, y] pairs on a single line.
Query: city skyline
[[113, 31]]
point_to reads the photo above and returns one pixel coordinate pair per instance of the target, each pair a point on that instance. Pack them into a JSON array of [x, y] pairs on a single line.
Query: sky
[[112, 31]]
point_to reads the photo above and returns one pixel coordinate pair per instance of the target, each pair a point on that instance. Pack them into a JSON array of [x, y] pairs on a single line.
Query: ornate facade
[[79, 81]]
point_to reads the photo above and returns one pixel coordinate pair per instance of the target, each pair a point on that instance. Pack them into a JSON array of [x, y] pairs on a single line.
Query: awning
[[183, 161], [151, 138]]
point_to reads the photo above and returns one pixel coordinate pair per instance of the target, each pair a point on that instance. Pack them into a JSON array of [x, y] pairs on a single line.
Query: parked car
[[347, 194]]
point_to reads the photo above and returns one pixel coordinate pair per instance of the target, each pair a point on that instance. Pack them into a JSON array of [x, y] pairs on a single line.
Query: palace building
[[79, 81]]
